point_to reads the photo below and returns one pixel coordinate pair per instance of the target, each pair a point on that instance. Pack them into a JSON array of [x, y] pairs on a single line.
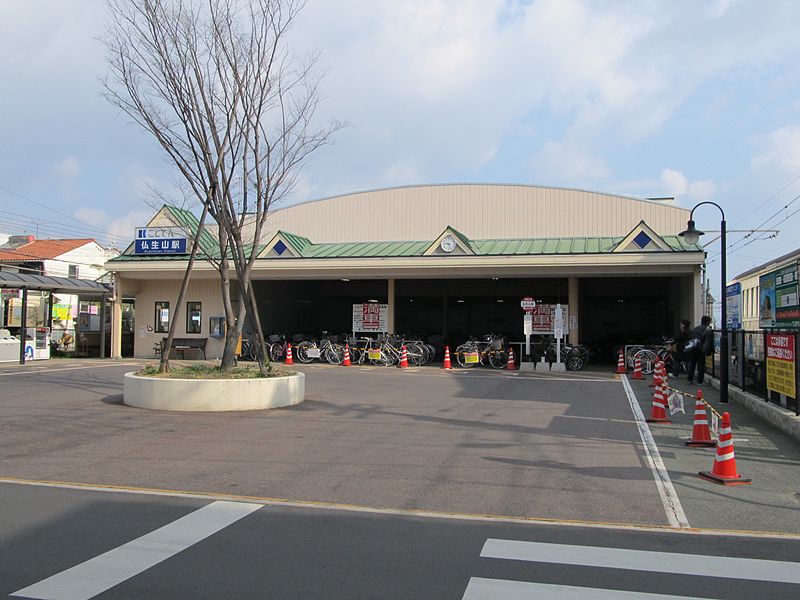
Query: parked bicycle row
[[491, 350]]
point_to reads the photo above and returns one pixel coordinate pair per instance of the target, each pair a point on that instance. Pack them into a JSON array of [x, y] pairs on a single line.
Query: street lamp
[[692, 236]]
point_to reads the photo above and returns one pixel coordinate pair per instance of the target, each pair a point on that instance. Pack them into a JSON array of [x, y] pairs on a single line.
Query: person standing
[[700, 339], [679, 355]]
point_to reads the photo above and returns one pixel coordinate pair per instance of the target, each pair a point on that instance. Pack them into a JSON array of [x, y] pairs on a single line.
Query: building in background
[[71, 318], [769, 294]]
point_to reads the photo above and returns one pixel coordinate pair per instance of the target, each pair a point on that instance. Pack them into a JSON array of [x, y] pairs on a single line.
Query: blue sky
[[697, 100]]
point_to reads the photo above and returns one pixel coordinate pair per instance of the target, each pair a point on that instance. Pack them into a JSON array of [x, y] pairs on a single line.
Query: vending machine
[[37, 343]]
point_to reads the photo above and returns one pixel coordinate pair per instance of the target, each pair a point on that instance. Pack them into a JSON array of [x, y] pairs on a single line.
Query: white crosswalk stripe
[[615, 558], [498, 589], [103, 572]]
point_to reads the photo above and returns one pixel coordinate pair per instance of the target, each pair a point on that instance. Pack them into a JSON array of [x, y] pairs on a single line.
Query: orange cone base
[[738, 480], [652, 420], [701, 443], [639, 377]]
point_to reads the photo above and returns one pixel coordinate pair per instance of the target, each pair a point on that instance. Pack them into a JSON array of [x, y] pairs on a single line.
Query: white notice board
[[370, 317]]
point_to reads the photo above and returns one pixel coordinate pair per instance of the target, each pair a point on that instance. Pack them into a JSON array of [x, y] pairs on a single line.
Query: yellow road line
[[409, 512]]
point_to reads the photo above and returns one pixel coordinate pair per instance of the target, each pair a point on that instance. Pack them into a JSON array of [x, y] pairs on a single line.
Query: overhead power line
[[51, 209]]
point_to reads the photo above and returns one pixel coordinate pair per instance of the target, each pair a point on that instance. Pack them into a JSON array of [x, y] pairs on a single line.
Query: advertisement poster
[[370, 317], [766, 300], [780, 364], [787, 311], [733, 295]]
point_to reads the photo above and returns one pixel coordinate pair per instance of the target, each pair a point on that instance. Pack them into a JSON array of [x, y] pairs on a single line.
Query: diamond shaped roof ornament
[[642, 240]]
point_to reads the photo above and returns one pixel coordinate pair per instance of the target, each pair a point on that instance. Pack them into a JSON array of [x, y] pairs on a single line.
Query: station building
[[451, 261]]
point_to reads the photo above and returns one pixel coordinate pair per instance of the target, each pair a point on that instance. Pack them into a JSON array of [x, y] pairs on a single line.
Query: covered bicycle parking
[[449, 262]]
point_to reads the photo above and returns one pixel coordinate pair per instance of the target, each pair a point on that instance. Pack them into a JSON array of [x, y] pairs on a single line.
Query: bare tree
[[216, 84]]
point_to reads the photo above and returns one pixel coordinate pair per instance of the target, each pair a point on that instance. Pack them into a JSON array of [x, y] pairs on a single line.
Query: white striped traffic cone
[[701, 433], [724, 468]]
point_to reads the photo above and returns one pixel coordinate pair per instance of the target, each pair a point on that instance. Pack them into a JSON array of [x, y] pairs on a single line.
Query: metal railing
[[747, 367]]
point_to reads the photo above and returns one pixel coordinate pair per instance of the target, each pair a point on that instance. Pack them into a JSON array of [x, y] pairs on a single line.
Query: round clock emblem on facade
[[448, 244]]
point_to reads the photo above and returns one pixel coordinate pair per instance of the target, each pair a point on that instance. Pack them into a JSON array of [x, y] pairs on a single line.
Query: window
[[162, 317], [74, 272], [194, 313]]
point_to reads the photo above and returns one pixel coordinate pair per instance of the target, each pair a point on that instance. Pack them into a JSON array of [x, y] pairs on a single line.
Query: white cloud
[[702, 190], [67, 169], [568, 162], [92, 216], [122, 228], [674, 183], [781, 150]]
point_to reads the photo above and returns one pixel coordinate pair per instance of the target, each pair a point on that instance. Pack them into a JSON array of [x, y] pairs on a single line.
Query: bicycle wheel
[[647, 359], [415, 354], [301, 350], [334, 354], [276, 352], [390, 356], [461, 357], [498, 359], [574, 360], [355, 355]]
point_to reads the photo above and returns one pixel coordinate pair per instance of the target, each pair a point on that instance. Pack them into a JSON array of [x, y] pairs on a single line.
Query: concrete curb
[[213, 394], [771, 413]]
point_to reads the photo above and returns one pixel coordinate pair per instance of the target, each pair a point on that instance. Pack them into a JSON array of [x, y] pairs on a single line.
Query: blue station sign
[[159, 240], [160, 246]]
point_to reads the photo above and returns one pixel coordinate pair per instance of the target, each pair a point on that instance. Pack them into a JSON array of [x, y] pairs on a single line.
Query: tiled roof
[[41, 250]]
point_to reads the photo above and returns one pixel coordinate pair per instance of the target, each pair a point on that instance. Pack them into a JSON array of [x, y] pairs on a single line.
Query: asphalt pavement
[[65, 543], [386, 483]]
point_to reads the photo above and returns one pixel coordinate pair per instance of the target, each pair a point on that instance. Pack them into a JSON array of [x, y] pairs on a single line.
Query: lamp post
[[692, 236]]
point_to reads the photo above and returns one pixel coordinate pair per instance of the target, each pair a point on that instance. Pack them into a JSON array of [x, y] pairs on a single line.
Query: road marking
[[643, 560], [40, 371], [403, 512], [103, 572], [669, 497], [499, 589]]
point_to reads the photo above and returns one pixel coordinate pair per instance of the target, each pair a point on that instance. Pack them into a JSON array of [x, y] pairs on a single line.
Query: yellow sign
[[780, 364], [374, 354], [471, 358]]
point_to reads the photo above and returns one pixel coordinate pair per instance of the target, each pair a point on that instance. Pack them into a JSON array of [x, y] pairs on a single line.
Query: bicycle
[[330, 351], [490, 349]]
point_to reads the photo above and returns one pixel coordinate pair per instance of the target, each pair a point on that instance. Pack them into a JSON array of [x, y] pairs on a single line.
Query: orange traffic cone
[[701, 434], [346, 361], [404, 358], [637, 369], [621, 364], [659, 412], [447, 364], [657, 374], [724, 468], [289, 359], [510, 364]]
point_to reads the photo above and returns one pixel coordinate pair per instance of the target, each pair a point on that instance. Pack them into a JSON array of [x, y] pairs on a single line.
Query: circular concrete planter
[[158, 393]]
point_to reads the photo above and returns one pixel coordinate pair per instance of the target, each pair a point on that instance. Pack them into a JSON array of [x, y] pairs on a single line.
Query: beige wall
[[147, 293], [479, 211]]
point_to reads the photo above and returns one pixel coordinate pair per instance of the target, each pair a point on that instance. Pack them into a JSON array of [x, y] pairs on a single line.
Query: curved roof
[[481, 211]]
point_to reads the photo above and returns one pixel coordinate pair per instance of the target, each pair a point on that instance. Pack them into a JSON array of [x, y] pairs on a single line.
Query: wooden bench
[[181, 345]]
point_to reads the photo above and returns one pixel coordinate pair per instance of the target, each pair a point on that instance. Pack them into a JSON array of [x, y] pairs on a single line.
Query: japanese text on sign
[[370, 317], [781, 364]]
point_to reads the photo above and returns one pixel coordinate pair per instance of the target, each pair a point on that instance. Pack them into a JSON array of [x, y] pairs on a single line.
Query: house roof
[[41, 250]]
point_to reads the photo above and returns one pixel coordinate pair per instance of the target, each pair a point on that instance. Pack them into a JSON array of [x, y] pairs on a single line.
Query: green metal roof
[[305, 248]]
